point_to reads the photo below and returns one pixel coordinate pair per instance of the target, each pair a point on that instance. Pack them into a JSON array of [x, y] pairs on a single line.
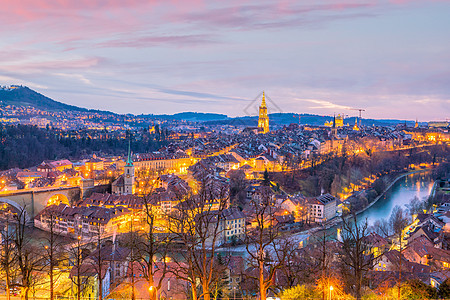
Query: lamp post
[[331, 289]]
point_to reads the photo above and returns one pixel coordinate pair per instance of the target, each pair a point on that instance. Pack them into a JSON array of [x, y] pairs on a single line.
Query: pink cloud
[[150, 41], [30, 67]]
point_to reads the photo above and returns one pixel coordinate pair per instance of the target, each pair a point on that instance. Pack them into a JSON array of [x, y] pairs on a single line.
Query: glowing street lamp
[[331, 289], [152, 290]]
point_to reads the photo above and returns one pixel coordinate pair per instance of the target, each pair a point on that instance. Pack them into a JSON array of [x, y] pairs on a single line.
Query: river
[[406, 188], [400, 193]]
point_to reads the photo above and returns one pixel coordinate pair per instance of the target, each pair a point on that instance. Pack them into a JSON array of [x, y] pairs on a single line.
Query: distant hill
[[192, 116], [22, 95], [309, 119]]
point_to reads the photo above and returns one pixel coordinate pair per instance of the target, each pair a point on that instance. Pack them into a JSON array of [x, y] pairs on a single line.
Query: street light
[[331, 289]]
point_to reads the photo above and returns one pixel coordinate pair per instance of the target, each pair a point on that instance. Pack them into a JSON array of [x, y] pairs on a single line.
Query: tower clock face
[[128, 175]]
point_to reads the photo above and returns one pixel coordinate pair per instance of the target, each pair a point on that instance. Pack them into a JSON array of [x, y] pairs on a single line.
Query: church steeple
[[129, 161], [355, 127], [263, 121], [129, 173], [263, 103]]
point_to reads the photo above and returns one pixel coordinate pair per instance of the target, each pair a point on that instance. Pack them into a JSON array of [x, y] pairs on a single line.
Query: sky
[[389, 57]]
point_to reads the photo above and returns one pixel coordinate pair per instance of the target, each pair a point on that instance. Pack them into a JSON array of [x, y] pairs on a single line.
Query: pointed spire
[[334, 120], [129, 160], [263, 104]]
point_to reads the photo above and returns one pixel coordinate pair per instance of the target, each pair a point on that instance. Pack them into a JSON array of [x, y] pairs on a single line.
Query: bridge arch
[[18, 208], [56, 199]]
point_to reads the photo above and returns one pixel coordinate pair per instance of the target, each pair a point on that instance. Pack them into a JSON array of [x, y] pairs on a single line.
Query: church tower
[[129, 174], [355, 127], [263, 121]]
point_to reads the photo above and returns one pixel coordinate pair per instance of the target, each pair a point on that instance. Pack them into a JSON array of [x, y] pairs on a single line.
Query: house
[[94, 164], [260, 193], [57, 165], [445, 218], [297, 206], [233, 224], [231, 227], [27, 177], [165, 201], [62, 165], [235, 273], [322, 208], [227, 162], [110, 261], [433, 233], [376, 243], [172, 287], [390, 261], [84, 221], [423, 251]]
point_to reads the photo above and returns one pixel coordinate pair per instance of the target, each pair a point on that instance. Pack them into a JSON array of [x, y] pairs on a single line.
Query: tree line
[[23, 146]]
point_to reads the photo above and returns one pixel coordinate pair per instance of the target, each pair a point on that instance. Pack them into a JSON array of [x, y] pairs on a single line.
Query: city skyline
[[390, 57]]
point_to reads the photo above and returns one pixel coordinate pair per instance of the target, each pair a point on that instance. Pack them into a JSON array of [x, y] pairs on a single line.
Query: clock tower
[[129, 174]]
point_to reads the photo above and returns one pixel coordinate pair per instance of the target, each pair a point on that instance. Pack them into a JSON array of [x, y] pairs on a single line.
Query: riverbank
[[337, 221], [388, 187]]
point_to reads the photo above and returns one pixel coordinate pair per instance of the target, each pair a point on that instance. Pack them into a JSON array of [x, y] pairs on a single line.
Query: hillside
[[192, 116], [24, 96], [309, 119]]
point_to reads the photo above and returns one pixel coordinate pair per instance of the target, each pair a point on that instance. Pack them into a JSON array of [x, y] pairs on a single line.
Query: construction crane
[[360, 111]]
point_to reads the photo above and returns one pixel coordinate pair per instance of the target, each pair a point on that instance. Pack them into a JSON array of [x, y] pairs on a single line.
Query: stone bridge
[[35, 200]]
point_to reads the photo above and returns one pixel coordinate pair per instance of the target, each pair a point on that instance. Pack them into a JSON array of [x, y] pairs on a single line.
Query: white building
[[322, 208]]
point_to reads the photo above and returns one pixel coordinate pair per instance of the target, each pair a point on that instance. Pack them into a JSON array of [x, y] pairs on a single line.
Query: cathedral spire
[[129, 160], [263, 120], [263, 104]]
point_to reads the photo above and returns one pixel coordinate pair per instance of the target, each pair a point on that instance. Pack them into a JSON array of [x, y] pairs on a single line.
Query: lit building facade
[[263, 121]]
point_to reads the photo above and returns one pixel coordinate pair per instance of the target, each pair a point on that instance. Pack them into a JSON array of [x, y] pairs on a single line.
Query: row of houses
[[318, 209]]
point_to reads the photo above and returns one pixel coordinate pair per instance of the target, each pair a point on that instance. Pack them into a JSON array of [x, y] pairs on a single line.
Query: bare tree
[[415, 206], [197, 227], [398, 221], [293, 267], [324, 263], [381, 227], [77, 256], [97, 260], [28, 256], [53, 251], [354, 261], [149, 244], [266, 252], [7, 254]]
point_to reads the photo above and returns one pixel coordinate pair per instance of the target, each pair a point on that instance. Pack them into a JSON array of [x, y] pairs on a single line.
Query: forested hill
[[24, 146], [24, 96]]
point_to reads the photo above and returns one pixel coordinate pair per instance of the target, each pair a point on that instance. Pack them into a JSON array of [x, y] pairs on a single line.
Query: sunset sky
[[391, 58]]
